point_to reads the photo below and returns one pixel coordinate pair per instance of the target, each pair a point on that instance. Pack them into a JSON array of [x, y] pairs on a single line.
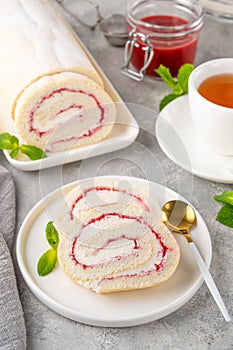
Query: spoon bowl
[[179, 217]]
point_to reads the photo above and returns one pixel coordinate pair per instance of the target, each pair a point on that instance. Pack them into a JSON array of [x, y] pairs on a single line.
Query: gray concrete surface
[[198, 325]]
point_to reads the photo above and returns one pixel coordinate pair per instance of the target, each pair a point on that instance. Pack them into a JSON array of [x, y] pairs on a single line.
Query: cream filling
[[110, 239], [64, 108], [103, 200], [149, 267]]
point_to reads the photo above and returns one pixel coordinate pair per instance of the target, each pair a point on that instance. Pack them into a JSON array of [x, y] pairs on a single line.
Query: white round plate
[[177, 138], [122, 309]]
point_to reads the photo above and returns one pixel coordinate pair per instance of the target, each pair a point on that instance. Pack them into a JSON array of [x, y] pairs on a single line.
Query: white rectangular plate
[[122, 135]]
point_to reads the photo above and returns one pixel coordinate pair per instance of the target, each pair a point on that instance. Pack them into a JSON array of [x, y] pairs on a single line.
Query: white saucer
[[123, 309], [177, 138]]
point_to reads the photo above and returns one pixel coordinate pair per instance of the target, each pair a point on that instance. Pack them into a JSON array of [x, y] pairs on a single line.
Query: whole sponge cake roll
[[112, 238], [36, 46], [64, 110]]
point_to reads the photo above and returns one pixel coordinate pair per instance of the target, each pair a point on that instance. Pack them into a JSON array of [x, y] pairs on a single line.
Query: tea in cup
[[211, 104]]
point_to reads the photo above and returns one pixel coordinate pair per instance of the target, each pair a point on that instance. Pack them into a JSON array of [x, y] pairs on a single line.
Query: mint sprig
[[178, 85], [225, 214], [11, 143], [48, 260]]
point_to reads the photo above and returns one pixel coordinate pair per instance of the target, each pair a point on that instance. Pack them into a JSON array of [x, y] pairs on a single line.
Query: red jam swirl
[[111, 240], [117, 257], [39, 103], [164, 248], [105, 188]]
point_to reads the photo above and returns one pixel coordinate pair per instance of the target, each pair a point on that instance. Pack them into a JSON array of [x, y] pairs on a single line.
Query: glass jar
[[161, 32]]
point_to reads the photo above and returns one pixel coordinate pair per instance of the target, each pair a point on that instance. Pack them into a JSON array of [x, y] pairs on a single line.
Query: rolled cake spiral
[[48, 84], [64, 110], [118, 244]]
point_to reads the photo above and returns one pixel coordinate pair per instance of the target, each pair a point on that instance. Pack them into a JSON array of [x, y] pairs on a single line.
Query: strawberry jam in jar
[[161, 32]]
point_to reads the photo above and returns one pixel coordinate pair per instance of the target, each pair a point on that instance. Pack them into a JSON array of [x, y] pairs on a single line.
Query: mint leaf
[[32, 152], [167, 99], [47, 262], [183, 76], [178, 90], [7, 141], [14, 141], [165, 74], [225, 197], [52, 235], [14, 152], [225, 216]]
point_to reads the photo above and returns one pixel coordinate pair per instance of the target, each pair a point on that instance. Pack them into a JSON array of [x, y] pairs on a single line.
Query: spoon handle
[[210, 282]]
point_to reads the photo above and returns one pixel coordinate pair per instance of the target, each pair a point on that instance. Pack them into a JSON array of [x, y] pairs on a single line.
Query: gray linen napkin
[[12, 327]]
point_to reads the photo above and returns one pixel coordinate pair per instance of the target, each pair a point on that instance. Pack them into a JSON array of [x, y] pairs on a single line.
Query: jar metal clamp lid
[[129, 46]]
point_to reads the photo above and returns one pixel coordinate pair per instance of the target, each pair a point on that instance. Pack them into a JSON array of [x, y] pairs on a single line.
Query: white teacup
[[213, 123]]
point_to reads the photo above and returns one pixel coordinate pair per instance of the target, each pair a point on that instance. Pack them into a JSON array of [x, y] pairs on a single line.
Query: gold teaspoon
[[180, 217]]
